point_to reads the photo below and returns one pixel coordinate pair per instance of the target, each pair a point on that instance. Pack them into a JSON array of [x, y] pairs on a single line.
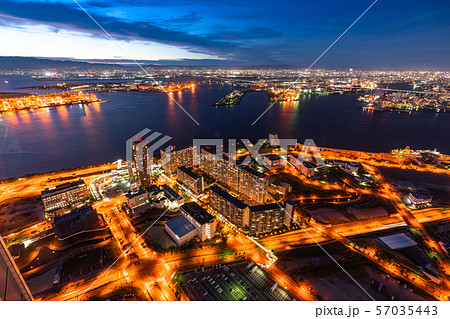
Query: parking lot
[[241, 280]]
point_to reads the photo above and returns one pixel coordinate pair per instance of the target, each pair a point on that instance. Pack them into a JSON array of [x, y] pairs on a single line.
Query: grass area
[[80, 237], [307, 190], [351, 180], [29, 252], [311, 259]]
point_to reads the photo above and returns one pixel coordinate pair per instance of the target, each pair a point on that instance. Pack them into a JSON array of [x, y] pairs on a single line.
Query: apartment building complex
[[229, 206], [250, 184], [191, 180], [257, 219], [173, 159]]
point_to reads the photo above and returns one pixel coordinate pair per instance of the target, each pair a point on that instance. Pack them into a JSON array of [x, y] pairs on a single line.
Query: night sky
[[393, 34]]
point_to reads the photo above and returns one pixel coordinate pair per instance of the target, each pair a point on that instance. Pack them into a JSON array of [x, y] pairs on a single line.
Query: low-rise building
[[274, 161], [305, 167], [190, 179], [137, 198], [204, 222], [295, 160], [282, 188], [80, 219], [308, 168], [419, 200], [154, 192], [274, 140], [173, 198], [348, 167], [181, 230], [65, 195]]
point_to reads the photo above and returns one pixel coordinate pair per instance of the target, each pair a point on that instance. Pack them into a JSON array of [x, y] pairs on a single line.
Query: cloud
[[254, 31], [64, 16], [225, 43]]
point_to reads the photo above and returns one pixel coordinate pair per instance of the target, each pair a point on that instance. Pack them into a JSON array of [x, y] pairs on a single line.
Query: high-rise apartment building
[[256, 219], [141, 161], [173, 159], [228, 206], [250, 184], [190, 179]]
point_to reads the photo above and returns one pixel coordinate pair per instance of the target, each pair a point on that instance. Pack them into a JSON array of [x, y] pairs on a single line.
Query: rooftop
[[273, 157], [180, 226], [420, 196], [75, 214], [61, 187], [289, 201], [197, 212], [253, 171], [398, 241], [265, 207], [170, 193], [189, 172], [309, 164], [139, 192], [228, 197], [152, 189]]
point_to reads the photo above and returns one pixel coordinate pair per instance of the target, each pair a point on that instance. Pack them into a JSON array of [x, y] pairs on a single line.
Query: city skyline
[[232, 151]]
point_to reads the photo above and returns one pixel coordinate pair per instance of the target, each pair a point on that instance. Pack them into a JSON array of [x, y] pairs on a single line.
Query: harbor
[[31, 101]]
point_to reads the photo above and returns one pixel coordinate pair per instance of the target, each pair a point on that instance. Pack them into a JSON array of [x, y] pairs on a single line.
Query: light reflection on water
[[71, 136]]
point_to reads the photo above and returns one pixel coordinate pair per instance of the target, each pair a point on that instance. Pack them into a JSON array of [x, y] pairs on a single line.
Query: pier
[[46, 100]]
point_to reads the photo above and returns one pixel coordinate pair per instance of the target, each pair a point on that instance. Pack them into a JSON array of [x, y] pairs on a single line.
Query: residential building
[[245, 181], [64, 195], [173, 159], [257, 219], [191, 180], [141, 160], [267, 217], [252, 185], [228, 206]]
